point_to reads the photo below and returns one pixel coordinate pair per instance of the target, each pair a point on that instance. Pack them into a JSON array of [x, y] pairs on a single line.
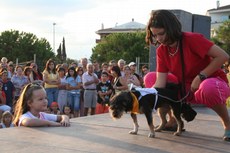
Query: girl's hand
[[195, 83], [65, 120], [51, 123]]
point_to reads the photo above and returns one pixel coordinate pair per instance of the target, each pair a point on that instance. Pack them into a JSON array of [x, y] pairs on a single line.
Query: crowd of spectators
[[75, 89]]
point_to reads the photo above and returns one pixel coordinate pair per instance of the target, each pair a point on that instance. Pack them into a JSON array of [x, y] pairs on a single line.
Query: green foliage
[[223, 36], [22, 45], [125, 46]]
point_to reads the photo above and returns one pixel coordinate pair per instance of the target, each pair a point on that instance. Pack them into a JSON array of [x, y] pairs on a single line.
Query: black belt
[[90, 89]]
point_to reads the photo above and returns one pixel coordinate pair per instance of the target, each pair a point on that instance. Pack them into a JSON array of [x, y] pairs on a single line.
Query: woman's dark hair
[[117, 70], [74, 75], [26, 69], [168, 21], [47, 66]]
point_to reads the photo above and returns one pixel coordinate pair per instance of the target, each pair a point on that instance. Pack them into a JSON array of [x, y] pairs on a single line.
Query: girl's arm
[[30, 122], [124, 84], [63, 120], [45, 78], [135, 81], [68, 87], [219, 56], [31, 77], [161, 80]]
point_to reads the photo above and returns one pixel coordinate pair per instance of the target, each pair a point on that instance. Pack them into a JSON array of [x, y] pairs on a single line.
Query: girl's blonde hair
[[21, 106], [6, 113]]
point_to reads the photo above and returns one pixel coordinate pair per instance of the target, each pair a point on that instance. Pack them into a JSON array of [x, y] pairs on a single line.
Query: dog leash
[[175, 101], [165, 97]]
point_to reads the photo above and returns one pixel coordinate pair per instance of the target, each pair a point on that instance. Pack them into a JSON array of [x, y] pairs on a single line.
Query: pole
[[34, 58], [54, 36]]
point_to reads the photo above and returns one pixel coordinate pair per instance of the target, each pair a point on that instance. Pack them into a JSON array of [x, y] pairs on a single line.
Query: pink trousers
[[211, 91]]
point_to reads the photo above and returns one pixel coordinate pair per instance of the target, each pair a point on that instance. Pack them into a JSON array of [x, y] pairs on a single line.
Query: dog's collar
[[135, 109]]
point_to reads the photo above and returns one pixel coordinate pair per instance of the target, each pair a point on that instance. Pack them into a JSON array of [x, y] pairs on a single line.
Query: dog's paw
[[151, 135], [177, 133], [133, 132]]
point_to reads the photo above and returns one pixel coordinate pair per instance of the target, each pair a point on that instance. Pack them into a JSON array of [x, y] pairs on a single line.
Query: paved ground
[[101, 134]]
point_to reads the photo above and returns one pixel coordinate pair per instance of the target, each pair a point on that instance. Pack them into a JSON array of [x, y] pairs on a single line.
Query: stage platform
[[101, 134]]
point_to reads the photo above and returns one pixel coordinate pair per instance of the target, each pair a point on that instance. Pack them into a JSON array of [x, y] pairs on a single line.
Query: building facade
[[132, 26], [218, 16]]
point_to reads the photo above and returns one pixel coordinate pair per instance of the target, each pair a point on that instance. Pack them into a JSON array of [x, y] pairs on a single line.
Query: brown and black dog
[[124, 102]]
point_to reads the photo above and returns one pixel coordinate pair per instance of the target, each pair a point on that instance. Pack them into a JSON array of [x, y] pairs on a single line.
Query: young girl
[[73, 86], [67, 111], [62, 93], [30, 107], [7, 118]]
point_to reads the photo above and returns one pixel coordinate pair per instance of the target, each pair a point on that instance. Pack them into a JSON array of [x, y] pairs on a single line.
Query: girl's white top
[[43, 116]]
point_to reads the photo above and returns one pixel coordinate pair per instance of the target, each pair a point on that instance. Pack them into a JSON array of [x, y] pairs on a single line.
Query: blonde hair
[[6, 113], [21, 106]]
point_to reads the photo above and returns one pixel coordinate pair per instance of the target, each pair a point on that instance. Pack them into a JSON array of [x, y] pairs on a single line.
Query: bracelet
[[202, 76]]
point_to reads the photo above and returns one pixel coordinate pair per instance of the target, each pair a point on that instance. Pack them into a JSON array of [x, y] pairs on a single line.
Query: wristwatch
[[202, 76]]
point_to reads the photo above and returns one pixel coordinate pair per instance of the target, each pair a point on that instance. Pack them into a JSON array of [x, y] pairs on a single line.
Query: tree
[[223, 36], [127, 46], [59, 52], [63, 50], [22, 45]]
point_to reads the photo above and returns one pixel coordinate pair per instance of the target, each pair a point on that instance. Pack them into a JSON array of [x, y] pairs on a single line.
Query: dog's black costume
[[123, 102]]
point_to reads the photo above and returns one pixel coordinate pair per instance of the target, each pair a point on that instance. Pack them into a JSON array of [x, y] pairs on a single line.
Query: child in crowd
[[3, 106], [54, 108], [4, 62], [67, 111], [62, 93], [7, 87], [7, 118], [30, 107], [104, 89], [48, 110]]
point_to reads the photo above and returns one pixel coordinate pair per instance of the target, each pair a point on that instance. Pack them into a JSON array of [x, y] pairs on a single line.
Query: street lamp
[[54, 36]]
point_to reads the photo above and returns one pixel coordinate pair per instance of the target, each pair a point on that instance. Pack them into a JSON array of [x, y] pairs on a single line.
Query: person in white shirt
[[31, 106], [90, 81]]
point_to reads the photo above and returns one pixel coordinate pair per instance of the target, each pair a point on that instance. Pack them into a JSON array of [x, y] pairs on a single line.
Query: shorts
[[90, 98]]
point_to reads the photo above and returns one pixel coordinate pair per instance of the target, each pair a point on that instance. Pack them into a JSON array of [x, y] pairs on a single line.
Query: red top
[[195, 49]]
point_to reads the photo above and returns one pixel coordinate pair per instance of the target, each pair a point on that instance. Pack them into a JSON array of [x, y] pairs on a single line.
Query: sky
[[78, 20]]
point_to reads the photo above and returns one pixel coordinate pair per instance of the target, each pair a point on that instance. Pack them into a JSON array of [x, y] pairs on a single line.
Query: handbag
[[187, 112]]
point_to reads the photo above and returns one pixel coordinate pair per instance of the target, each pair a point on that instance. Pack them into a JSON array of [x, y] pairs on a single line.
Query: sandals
[[226, 135]]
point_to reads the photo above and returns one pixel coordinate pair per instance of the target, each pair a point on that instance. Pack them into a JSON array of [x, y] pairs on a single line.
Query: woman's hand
[[195, 84]]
